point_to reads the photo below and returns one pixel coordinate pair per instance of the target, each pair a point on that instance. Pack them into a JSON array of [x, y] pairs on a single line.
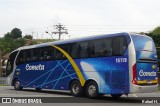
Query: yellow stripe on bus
[[142, 82], [78, 72], [145, 82]]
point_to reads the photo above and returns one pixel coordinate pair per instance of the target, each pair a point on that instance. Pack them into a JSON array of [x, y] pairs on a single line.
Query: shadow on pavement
[[71, 99], [47, 91]]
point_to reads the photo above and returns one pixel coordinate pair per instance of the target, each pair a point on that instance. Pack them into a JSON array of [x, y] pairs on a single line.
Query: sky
[[79, 17]]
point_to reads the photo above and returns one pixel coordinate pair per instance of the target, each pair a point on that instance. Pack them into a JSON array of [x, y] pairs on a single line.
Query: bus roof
[[71, 40]]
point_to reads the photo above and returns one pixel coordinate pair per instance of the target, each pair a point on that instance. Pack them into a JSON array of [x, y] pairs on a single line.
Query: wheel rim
[[75, 88], [17, 84], [92, 90]]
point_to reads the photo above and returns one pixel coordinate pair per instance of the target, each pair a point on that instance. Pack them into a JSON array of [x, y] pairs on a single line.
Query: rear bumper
[[143, 89]]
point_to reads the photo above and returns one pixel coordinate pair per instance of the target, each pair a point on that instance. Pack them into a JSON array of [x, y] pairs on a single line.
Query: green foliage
[[156, 31], [156, 39], [3, 85], [28, 37], [155, 34], [7, 35], [14, 34], [11, 41], [9, 44]]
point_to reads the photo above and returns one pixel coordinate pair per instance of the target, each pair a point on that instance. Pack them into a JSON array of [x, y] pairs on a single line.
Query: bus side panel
[[116, 77], [120, 76], [111, 74], [55, 75], [58, 74]]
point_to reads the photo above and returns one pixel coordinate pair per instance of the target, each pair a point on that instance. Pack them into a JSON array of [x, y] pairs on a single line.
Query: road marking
[[134, 95]]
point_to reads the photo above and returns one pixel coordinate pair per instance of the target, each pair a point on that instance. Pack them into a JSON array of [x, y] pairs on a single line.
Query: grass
[[159, 88], [3, 85]]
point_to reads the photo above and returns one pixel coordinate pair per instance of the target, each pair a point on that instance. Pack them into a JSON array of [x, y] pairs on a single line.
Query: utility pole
[[61, 30], [32, 34]]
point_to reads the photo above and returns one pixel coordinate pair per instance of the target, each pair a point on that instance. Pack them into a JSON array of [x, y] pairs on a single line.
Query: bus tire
[[116, 95], [76, 88], [101, 94], [17, 85], [92, 89], [38, 89]]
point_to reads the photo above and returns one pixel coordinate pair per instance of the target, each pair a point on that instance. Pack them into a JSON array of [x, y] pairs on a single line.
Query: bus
[[158, 55], [115, 64]]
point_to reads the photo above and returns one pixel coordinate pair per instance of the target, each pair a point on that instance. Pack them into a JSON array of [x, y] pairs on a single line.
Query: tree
[[28, 37], [15, 34], [8, 35], [155, 34], [8, 44], [156, 31]]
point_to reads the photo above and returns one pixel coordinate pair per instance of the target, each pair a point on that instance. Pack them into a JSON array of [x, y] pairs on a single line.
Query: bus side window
[[91, 49], [120, 45], [49, 53], [28, 55], [10, 63], [83, 49], [35, 53], [21, 57], [57, 54], [103, 47], [42, 54], [60, 55], [74, 50]]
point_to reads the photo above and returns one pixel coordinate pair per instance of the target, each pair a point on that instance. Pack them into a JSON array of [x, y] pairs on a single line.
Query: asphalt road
[[8, 91]]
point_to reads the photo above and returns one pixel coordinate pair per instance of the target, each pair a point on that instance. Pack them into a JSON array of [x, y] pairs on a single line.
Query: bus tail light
[[134, 81]]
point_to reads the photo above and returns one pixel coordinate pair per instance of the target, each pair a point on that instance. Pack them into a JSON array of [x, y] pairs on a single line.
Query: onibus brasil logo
[[20, 100]]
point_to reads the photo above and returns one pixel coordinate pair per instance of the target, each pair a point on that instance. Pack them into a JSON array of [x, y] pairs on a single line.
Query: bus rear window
[[143, 43]]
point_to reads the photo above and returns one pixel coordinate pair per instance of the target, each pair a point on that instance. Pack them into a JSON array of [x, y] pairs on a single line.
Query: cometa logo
[[35, 67], [142, 73]]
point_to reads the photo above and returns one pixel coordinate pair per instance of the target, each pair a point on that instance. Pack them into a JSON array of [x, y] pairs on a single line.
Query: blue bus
[[114, 64]]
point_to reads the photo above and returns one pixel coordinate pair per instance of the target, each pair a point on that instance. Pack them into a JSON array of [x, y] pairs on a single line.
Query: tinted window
[[28, 55], [83, 49], [58, 54], [49, 52], [114, 46], [35, 53], [74, 50], [21, 57], [10, 63], [103, 47], [120, 45], [91, 49], [46, 53]]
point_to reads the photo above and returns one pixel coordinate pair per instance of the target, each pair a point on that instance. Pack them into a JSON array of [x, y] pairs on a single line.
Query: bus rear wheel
[[38, 89], [17, 85], [92, 89], [75, 88]]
